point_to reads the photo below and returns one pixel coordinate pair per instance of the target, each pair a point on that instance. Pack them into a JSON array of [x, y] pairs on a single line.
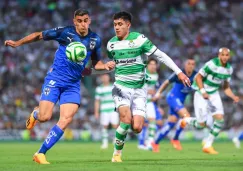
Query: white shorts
[[204, 107], [136, 98], [150, 110], [109, 118]]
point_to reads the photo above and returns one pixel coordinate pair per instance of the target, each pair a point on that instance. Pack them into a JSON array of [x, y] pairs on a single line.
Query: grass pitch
[[88, 157]]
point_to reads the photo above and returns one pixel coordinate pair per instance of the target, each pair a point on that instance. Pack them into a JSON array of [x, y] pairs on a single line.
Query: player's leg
[[114, 120], [216, 108], [142, 137], [104, 121], [67, 111], [201, 112], [122, 97], [183, 112], [43, 112], [151, 115], [159, 117], [69, 102], [163, 132], [236, 140]]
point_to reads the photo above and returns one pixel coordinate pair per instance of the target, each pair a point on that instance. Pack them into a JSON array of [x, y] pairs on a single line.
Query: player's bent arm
[[228, 91], [92, 71], [198, 79], [162, 57], [163, 87], [28, 39]]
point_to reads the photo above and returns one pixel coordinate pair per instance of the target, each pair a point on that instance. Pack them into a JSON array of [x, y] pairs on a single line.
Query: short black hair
[[152, 59], [123, 15], [190, 58], [81, 12]]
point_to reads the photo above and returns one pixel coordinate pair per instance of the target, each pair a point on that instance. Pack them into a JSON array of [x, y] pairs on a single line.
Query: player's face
[[105, 79], [152, 67], [224, 56], [121, 28], [82, 24], [190, 65]]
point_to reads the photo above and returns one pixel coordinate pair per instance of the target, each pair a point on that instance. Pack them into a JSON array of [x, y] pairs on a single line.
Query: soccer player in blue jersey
[[175, 100], [63, 79]]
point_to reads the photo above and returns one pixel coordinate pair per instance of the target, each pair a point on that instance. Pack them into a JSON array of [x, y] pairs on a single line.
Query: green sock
[[121, 133]]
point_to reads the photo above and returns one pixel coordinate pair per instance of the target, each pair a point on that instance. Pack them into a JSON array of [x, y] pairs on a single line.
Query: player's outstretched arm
[[162, 57], [229, 93], [99, 68], [28, 39]]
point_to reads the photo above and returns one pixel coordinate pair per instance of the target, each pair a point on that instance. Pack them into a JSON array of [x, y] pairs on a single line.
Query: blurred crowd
[[190, 28]]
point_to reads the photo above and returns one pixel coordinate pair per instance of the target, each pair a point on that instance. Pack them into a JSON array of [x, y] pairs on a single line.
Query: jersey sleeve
[[172, 78], [97, 94], [205, 70], [148, 47], [96, 54], [53, 34], [229, 78], [108, 51]]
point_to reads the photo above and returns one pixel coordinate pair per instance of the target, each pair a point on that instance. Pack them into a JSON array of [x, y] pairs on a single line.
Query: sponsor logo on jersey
[[125, 61]]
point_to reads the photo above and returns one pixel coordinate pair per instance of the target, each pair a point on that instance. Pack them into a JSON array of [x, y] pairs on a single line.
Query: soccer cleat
[[143, 147], [176, 144], [155, 147], [31, 121], [183, 123], [236, 141], [210, 150], [116, 158], [40, 158]]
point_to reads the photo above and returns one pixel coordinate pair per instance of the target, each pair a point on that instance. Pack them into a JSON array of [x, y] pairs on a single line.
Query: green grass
[[87, 156]]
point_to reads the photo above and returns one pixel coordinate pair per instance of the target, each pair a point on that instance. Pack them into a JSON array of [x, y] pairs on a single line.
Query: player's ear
[[74, 21]]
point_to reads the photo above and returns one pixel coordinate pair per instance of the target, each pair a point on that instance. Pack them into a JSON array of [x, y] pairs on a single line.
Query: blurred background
[[180, 28]]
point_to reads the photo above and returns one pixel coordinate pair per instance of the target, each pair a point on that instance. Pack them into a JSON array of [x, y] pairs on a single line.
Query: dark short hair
[[123, 15], [81, 12], [190, 58], [152, 59]]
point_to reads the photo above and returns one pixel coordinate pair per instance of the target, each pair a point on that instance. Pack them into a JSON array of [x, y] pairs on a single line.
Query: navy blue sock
[[142, 136], [241, 136], [54, 135], [163, 131], [178, 132]]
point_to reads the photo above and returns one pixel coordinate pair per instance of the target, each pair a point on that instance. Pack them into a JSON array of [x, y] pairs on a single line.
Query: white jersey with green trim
[[104, 95], [151, 80], [129, 58], [214, 74]]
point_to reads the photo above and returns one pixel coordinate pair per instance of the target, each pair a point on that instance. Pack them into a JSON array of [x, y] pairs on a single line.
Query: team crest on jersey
[[131, 44], [92, 44], [47, 91]]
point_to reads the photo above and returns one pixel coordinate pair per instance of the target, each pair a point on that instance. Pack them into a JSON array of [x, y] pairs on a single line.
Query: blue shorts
[[175, 105], [53, 90], [158, 114]]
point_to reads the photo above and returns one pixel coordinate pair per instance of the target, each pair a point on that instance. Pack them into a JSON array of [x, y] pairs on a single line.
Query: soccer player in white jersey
[[151, 81], [207, 100], [104, 108], [129, 93]]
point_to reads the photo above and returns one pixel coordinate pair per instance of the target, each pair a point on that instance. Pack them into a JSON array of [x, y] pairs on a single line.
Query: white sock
[[209, 141]]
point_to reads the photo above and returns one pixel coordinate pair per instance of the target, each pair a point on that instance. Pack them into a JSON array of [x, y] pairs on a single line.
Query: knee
[[219, 117], [137, 128], [44, 116], [202, 124]]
